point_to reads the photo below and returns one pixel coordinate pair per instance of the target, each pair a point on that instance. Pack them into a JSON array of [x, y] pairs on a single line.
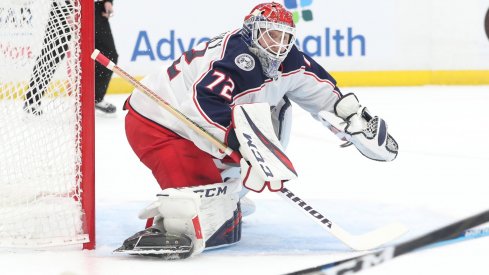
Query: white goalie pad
[[180, 211], [260, 147], [353, 123], [198, 212]]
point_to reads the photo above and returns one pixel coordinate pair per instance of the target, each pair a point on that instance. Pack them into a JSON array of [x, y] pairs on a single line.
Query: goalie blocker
[[264, 163]]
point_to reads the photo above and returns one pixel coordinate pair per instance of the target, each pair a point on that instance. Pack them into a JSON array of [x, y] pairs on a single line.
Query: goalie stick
[[367, 241], [447, 233]]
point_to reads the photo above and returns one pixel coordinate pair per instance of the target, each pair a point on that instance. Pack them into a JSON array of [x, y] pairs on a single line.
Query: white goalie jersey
[[207, 81]]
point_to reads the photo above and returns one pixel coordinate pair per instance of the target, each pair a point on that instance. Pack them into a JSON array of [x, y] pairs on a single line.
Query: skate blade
[[165, 253]]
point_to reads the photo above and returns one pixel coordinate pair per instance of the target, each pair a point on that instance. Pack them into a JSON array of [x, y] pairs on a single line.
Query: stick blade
[[378, 237]]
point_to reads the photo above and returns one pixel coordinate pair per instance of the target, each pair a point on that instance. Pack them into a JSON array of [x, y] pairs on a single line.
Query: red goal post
[[47, 139], [88, 122]]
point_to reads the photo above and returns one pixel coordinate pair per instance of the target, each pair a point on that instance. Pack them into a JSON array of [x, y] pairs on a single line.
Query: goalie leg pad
[[180, 214], [209, 214], [221, 213], [232, 173]]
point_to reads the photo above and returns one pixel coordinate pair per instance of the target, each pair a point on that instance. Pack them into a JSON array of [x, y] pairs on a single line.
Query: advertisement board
[[374, 42]]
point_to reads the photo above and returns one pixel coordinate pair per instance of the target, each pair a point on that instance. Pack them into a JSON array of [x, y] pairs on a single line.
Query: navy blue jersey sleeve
[[214, 94]]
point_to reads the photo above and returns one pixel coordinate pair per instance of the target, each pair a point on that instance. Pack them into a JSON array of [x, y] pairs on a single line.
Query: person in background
[[104, 41], [55, 45], [57, 34]]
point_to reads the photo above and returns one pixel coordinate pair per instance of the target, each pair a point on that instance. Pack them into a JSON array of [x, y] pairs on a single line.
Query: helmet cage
[[276, 47], [258, 28]]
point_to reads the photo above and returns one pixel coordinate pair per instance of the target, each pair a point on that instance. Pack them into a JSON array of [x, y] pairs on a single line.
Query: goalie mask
[[269, 32]]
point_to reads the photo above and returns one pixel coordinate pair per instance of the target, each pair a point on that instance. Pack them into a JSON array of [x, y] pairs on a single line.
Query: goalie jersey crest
[[245, 62]]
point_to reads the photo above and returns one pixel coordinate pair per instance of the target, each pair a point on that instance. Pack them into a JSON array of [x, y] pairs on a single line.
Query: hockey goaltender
[[238, 87]]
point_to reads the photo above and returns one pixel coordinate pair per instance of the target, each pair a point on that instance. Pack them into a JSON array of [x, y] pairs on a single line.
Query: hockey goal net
[[46, 123]]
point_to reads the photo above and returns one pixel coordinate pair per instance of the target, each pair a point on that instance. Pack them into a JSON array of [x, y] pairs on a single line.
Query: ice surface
[[440, 175]]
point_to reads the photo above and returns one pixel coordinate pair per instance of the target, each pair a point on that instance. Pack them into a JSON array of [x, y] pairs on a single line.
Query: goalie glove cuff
[[347, 106]]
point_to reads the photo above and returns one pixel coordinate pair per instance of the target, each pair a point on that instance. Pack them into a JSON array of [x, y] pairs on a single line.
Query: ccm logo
[[363, 262], [258, 156], [212, 192]]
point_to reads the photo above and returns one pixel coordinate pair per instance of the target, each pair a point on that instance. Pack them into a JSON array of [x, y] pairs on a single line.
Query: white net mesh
[[40, 146]]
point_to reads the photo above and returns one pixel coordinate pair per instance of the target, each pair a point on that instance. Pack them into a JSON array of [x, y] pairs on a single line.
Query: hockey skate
[[155, 243], [105, 108]]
